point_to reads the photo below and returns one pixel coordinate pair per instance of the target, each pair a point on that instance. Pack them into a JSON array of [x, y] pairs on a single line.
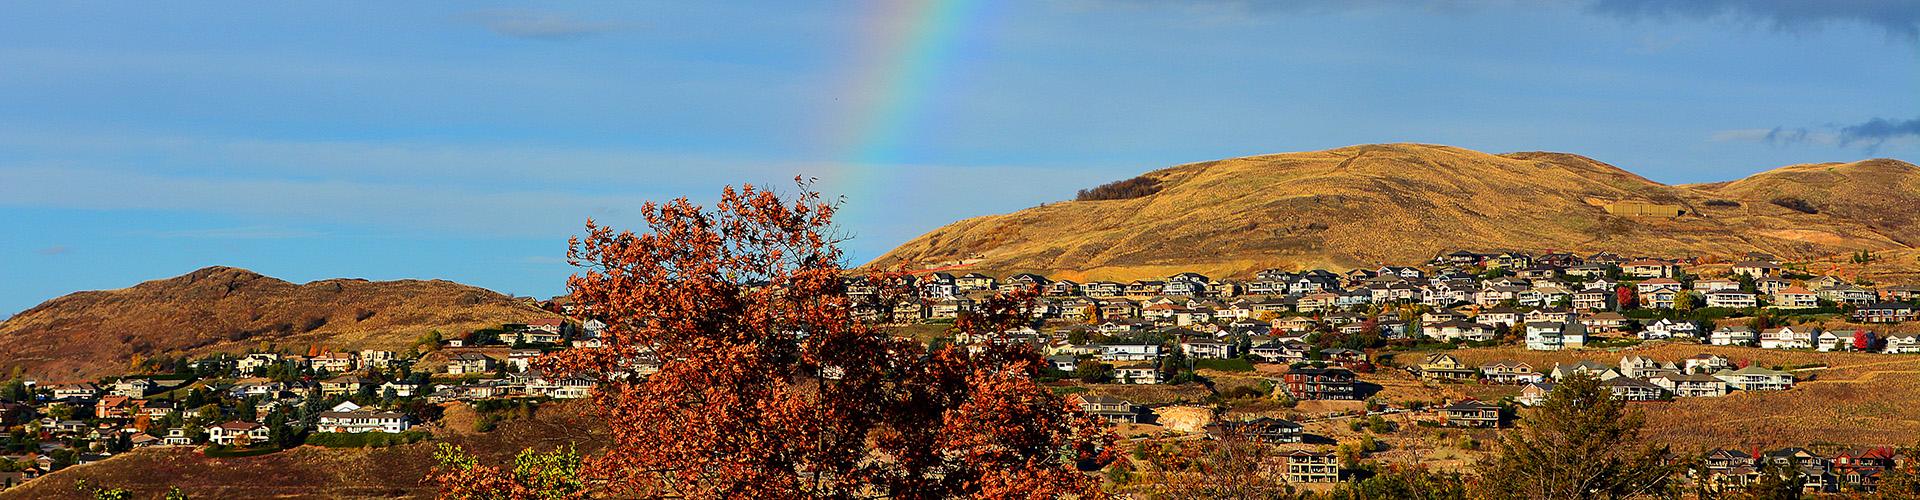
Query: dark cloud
[[1878, 131], [1898, 17], [55, 250], [540, 25]]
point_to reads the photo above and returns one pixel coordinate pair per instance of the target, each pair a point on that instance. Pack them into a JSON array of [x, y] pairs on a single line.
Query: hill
[[94, 333], [1405, 203]]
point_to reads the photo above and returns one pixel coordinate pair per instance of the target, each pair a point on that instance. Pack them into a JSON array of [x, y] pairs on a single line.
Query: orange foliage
[[769, 386]]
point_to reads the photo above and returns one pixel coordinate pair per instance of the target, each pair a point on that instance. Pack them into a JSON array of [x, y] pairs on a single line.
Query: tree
[[1093, 372], [1579, 444], [1623, 297], [762, 382], [546, 476], [1863, 340]]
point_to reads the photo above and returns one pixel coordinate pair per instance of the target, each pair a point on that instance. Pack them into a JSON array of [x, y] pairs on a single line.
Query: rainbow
[[909, 47]]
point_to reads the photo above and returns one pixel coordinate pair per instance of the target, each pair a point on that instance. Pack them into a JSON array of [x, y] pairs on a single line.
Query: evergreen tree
[[1580, 444]]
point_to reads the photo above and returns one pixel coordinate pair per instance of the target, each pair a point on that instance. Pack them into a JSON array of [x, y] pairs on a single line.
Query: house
[[1786, 337], [237, 434], [1794, 297], [1665, 298], [399, 390], [1664, 328], [1845, 293], [1344, 357], [1691, 385], [1535, 393], [1459, 330], [381, 359], [345, 385], [1706, 363], [1642, 366], [350, 418], [1902, 343], [1734, 299], [1756, 269], [1500, 316], [974, 282], [133, 387], [251, 362], [1593, 300], [1884, 312], [1633, 389], [1656, 284], [1107, 408], [1264, 429], [117, 406], [1648, 268], [1542, 336], [1207, 349], [1472, 413], [82, 391], [1305, 382], [332, 362], [1551, 315], [1597, 370], [1733, 335], [1507, 371], [1715, 285], [1605, 321], [1770, 285], [1140, 372], [1754, 378], [1837, 340], [176, 437], [1312, 467], [467, 363], [1130, 352], [1443, 366]]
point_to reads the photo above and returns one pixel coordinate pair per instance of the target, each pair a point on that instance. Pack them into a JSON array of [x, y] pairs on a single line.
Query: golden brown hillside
[[1405, 203], [95, 333]]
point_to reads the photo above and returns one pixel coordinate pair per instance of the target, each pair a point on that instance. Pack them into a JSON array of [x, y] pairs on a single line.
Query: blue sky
[[468, 140]]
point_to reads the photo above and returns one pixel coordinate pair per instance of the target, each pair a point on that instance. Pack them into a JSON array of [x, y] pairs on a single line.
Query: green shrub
[[365, 439]]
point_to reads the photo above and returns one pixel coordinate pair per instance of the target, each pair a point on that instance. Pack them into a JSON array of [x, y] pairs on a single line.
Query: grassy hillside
[[88, 334], [315, 472], [1404, 203]]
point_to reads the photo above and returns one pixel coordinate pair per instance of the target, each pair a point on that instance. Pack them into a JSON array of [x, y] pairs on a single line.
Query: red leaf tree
[[734, 365]]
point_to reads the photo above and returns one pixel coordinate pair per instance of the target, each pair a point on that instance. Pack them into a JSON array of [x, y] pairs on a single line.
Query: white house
[[1732, 335], [1130, 352], [237, 434], [350, 418], [1667, 328], [1544, 336]]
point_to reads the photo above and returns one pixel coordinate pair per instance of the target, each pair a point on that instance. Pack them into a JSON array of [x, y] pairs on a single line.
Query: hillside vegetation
[[1405, 203], [95, 333]]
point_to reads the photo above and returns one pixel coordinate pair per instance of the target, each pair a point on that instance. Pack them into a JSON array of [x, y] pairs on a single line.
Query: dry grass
[[91, 334], [1329, 209], [315, 472], [1858, 399]]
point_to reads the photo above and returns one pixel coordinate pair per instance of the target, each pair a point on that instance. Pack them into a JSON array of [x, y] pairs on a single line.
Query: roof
[[1469, 405], [240, 426]]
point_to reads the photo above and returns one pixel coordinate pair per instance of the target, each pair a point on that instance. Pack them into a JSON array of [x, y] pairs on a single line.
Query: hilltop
[[1405, 203], [95, 333]]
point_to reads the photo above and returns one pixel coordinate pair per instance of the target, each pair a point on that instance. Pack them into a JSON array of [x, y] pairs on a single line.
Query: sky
[[468, 140]]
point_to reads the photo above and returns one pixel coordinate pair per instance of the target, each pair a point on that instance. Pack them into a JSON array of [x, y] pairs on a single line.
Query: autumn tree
[[733, 365], [1581, 443]]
